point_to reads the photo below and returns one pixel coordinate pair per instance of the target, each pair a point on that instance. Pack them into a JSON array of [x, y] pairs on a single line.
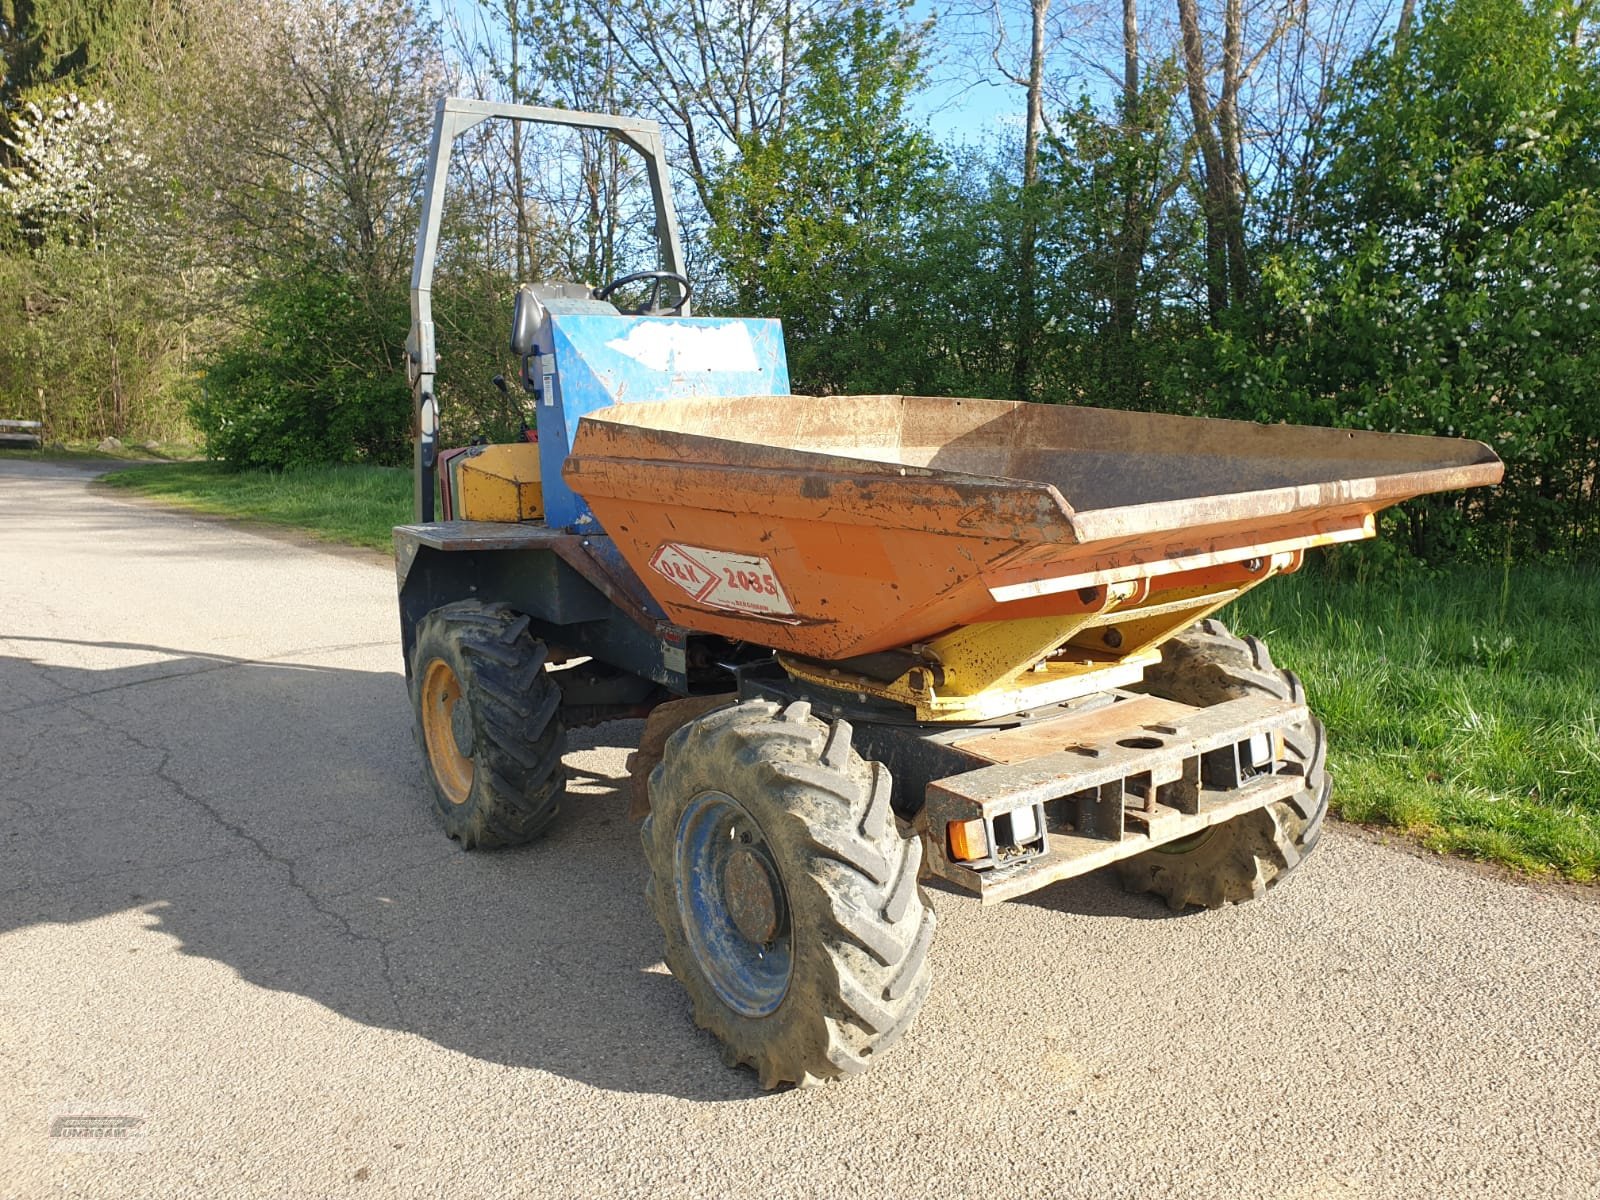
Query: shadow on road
[[271, 817], [1100, 895]]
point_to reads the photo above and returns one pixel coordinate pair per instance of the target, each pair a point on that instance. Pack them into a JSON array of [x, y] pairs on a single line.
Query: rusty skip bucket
[[838, 526]]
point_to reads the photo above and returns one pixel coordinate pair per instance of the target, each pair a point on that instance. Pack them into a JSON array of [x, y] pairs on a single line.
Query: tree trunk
[[1402, 30], [1027, 268], [524, 235], [1214, 171], [1133, 237], [1228, 126]]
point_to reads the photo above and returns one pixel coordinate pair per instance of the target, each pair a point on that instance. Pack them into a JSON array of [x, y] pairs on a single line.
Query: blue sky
[[961, 103], [957, 109]]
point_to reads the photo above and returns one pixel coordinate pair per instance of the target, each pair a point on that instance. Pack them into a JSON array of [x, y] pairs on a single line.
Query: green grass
[[355, 505], [1463, 708]]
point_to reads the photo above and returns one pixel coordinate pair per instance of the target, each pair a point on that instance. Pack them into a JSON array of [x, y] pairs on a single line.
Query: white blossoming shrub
[[74, 169]]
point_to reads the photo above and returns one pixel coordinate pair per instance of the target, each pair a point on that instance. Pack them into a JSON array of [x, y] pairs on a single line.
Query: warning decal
[[718, 579]]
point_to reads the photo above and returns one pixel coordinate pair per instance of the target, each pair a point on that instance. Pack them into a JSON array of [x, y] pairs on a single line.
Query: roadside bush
[[1450, 281], [316, 376]]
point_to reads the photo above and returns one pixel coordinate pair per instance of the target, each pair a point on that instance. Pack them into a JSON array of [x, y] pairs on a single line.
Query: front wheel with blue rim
[[786, 892], [731, 904]]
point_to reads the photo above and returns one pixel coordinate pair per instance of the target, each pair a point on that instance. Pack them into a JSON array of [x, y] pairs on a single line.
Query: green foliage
[[820, 225], [1450, 282], [103, 302], [48, 43], [240, 192], [1121, 240], [92, 324], [214, 157], [1459, 711], [315, 376], [958, 285], [472, 296], [472, 314], [89, 346]]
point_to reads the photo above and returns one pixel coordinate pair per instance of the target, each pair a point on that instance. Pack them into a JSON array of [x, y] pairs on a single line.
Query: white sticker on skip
[[715, 578], [679, 347]]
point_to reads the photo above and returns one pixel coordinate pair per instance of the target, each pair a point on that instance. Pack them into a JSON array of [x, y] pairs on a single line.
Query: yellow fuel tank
[[498, 483]]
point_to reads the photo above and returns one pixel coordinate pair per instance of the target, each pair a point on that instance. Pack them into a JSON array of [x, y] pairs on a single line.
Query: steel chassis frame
[[1107, 790]]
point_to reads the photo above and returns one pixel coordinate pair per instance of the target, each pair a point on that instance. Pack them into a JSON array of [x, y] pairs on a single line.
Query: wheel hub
[[749, 888], [732, 904]]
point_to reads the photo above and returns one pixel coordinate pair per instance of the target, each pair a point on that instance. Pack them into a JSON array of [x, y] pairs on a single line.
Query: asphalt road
[[230, 929]]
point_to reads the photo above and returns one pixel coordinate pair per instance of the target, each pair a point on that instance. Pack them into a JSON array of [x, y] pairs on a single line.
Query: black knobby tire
[[1240, 859], [502, 785], [858, 925]]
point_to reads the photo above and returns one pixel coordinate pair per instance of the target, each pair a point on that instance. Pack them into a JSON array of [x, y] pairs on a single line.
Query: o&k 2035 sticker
[[736, 582]]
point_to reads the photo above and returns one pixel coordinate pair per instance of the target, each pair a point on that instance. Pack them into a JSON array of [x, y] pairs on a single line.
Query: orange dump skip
[[843, 525]]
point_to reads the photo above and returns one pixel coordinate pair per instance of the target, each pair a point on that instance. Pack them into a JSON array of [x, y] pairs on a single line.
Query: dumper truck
[[880, 639]]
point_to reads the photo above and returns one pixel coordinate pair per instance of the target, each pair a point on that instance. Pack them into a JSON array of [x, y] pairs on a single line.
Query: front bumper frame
[[1120, 792]]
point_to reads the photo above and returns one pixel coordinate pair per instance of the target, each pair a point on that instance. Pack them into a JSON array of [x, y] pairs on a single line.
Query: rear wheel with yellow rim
[[488, 724]]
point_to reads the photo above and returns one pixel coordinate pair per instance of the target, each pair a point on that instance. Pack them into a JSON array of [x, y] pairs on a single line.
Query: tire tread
[[518, 778], [1246, 857], [862, 927]]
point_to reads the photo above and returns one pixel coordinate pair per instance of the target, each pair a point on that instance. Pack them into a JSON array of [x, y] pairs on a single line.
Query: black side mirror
[[524, 321]]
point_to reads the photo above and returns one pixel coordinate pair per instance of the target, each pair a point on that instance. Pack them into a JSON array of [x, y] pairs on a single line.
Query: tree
[[89, 343], [306, 380], [1450, 281], [821, 223], [85, 343], [315, 185], [715, 72], [1003, 20], [1028, 248], [58, 45], [599, 206], [73, 170], [1120, 238]]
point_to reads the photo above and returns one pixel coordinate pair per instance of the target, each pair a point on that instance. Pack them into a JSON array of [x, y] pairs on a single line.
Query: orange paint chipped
[[889, 520]]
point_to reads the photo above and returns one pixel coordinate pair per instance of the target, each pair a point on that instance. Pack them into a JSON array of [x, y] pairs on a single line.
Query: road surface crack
[[163, 772]]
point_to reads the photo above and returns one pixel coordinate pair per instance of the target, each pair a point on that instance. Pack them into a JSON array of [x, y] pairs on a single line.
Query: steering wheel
[[651, 308]]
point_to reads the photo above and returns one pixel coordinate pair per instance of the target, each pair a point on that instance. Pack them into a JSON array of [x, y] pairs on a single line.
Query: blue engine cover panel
[[603, 359]]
